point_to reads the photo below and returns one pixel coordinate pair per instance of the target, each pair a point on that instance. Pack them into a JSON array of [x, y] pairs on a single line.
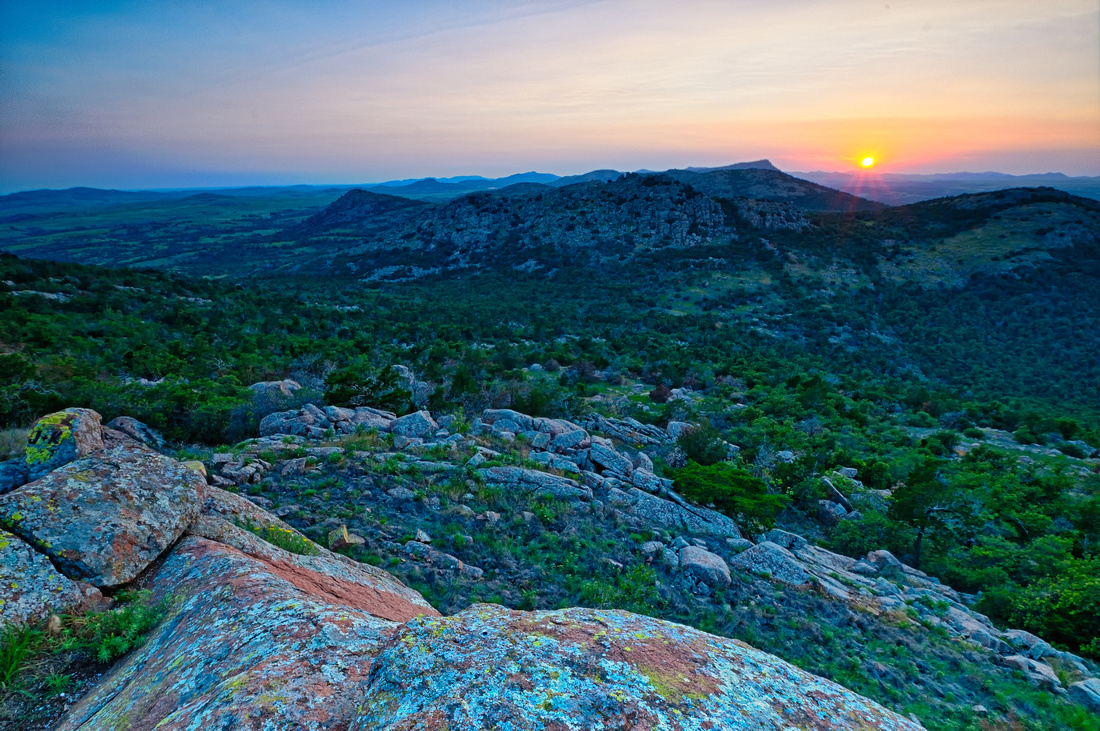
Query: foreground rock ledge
[[248, 649], [244, 648], [491, 668]]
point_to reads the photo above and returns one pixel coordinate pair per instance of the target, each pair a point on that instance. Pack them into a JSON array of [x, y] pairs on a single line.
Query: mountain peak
[[764, 164]]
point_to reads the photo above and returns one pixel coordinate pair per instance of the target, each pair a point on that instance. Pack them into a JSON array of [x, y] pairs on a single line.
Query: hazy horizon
[[139, 95], [446, 178]]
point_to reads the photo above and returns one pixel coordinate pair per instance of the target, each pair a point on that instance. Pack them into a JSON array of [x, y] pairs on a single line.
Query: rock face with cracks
[[246, 647], [32, 586], [104, 518]]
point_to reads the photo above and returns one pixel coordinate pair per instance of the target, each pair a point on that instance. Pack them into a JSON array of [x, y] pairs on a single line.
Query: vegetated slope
[[775, 367], [992, 294], [361, 209], [209, 233]]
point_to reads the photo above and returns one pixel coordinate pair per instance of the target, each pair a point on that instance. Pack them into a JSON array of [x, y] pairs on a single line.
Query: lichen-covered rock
[[249, 645], [13, 474], [62, 437], [341, 579], [706, 566], [419, 424], [30, 587], [104, 519], [138, 431], [491, 668]]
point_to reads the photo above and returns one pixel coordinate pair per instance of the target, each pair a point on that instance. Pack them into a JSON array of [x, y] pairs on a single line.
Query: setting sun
[[868, 162]]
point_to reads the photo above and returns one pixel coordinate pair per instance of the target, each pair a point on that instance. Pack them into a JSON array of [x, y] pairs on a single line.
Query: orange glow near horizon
[[131, 95]]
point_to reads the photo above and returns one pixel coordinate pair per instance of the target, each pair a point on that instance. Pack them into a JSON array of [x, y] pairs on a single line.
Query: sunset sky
[[184, 94]]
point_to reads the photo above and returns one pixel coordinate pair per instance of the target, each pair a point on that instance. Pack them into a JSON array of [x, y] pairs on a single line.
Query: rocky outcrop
[[489, 667], [258, 636], [772, 561], [104, 518], [314, 422], [676, 516], [1087, 693], [275, 390], [417, 425]]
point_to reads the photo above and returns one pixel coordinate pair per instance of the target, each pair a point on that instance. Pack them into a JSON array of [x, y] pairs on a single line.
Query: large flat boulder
[[103, 519], [1087, 693], [250, 645], [536, 482], [419, 425], [674, 516], [324, 574], [491, 668], [772, 561], [30, 587], [62, 437], [705, 566]]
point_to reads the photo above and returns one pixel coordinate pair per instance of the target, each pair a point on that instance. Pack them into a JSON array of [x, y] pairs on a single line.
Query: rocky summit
[[267, 630]]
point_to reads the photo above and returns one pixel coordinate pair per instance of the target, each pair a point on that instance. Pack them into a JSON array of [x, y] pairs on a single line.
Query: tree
[[925, 501], [363, 384]]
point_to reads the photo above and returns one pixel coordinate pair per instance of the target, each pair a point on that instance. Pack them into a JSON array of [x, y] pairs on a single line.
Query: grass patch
[[12, 443], [284, 538]]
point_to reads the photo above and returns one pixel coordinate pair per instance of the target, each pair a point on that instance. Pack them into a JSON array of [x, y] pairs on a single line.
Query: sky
[[169, 93]]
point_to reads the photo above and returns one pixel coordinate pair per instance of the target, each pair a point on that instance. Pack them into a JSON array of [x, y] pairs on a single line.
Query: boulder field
[[259, 637]]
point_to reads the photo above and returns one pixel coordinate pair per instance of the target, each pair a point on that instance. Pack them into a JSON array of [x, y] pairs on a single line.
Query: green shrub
[[702, 444], [102, 636], [733, 491], [1072, 450], [111, 634]]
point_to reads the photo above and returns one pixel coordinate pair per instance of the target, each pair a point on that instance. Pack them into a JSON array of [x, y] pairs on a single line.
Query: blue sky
[[178, 94]]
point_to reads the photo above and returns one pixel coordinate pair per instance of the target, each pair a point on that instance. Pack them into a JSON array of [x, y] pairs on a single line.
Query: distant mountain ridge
[[898, 189], [889, 188]]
